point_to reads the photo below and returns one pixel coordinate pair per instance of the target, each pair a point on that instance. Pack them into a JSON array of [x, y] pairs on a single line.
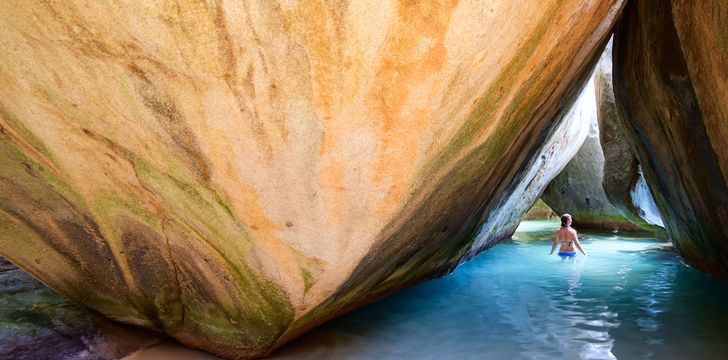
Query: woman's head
[[565, 220]]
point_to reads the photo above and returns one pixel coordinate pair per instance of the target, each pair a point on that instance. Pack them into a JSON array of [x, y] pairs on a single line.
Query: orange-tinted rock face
[[671, 86], [235, 173]]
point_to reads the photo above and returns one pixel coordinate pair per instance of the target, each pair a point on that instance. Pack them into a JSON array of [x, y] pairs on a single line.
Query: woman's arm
[[578, 245], [553, 246]]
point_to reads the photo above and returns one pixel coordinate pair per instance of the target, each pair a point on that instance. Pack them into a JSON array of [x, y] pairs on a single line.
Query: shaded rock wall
[[36, 323], [671, 87], [235, 173], [577, 189], [598, 184], [555, 153], [622, 179], [540, 211]]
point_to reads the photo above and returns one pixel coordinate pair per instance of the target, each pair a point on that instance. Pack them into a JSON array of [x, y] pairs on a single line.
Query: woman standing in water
[[566, 235]]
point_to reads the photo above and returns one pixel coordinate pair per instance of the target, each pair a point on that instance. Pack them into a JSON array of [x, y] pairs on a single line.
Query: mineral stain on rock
[[234, 174]]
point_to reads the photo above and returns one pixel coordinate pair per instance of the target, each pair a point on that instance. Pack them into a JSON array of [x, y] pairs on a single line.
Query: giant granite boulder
[[602, 186], [540, 211], [233, 174], [671, 86], [623, 181], [578, 188]]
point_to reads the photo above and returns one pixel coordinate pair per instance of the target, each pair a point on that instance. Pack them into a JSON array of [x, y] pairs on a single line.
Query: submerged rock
[[235, 174], [671, 86], [36, 323]]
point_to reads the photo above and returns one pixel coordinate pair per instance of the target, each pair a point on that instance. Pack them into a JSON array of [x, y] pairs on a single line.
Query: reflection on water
[[630, 299]]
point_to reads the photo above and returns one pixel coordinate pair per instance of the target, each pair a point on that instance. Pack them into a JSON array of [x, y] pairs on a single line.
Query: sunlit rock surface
[[642, 199], [233, 174], [671, 86]]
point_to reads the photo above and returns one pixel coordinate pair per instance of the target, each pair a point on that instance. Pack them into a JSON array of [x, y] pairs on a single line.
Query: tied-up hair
[[565, 219]]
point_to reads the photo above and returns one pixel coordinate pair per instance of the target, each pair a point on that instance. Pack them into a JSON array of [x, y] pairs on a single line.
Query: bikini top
[[569, 242]]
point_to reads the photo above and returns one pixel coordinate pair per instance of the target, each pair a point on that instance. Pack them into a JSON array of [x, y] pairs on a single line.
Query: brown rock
[[671, 86], [621, 168], [152, 155], [540, 211], [577, 189]]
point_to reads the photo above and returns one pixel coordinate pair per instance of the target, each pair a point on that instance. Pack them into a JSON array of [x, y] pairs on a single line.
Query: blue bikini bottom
[[567, 254]]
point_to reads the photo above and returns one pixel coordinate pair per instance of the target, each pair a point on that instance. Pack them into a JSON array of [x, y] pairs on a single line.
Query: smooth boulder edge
[[670, 83], [234, 174]]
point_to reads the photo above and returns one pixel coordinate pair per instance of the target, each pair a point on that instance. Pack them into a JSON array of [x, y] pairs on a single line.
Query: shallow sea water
[[630, 299]]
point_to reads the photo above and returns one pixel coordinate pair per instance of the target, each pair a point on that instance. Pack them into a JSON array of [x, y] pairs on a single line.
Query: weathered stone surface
[[523, 191], [598, 184], [36, 323], [621, 170], [235, 173], [577, 189], [671, 86], [540, 211]]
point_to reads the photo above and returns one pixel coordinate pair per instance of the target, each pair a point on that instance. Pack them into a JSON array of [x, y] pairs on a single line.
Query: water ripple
[[631, 299]]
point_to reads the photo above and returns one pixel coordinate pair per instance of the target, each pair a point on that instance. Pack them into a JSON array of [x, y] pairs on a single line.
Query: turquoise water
[[630, 299]]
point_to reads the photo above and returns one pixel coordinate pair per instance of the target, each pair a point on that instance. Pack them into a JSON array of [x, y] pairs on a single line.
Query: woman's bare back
[[566, 236]]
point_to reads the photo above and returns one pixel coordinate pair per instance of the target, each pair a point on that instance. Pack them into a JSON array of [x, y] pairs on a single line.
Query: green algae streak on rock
[[671, 86], [233, 174], [540, 211]]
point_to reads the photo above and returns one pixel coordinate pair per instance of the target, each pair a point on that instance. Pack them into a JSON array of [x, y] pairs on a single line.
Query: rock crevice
[[670, 85]]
